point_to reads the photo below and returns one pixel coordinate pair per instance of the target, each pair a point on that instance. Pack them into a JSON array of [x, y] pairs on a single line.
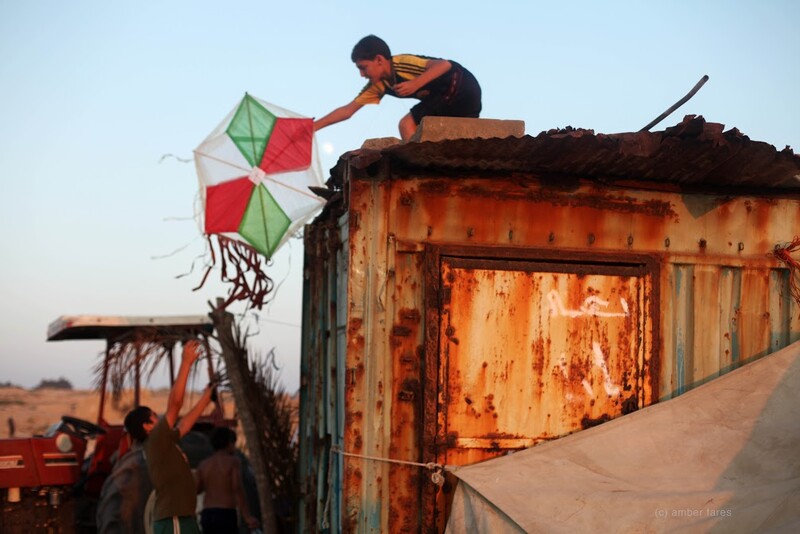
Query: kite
[[255, 170]]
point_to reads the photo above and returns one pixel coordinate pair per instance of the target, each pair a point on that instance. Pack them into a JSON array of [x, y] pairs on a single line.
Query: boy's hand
[[406, 88], [191, 351]]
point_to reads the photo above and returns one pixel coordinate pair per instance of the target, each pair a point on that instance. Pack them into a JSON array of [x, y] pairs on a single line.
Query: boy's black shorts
[[219, 520], [461, 97]]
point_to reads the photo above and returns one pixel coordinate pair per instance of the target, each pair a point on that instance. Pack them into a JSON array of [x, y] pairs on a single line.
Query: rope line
[[430, 465], [436, 477]]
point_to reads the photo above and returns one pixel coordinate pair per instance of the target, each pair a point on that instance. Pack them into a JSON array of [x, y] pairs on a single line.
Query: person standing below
[[220, 477], [123, 497], [174, 484], [443, 87]]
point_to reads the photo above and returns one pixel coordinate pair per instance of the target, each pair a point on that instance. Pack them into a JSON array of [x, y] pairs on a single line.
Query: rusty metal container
[[468, 298]]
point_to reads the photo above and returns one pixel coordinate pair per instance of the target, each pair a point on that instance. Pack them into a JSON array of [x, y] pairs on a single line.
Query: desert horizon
[[35, 410]]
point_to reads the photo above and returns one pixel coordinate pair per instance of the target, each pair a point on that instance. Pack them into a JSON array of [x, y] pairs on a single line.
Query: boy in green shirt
[[174, 484], [444, 88]]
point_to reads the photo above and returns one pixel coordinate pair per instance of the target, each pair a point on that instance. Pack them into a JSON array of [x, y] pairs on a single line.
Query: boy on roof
[[444, 88]]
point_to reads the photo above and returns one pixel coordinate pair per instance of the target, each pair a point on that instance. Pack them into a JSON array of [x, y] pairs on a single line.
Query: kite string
[[436, 477], [174, 252], [210, 265], [182, 160]]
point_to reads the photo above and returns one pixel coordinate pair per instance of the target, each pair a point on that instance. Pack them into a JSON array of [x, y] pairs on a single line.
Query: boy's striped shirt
[[405, 67]]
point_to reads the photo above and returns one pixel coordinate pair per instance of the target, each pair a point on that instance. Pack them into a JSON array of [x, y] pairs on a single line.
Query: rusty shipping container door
[[533, 350]]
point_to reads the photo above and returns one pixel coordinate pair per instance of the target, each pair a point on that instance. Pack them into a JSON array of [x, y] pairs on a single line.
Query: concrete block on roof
[[380, 143], [441, 128]]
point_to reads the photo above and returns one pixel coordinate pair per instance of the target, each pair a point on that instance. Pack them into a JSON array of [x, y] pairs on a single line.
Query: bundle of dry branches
[[140, 352]]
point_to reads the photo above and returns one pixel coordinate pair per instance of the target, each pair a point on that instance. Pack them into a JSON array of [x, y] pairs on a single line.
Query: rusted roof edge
[[692, 156]]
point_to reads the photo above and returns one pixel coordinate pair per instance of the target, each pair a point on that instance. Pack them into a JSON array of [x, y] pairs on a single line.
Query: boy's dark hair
[[134, 422], [221, 437], [369, 48]]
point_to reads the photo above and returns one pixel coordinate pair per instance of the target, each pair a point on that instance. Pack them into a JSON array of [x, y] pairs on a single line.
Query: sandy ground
[[34, 411]]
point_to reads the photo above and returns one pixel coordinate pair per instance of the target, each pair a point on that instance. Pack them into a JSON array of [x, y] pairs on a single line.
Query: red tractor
[[48, 483]]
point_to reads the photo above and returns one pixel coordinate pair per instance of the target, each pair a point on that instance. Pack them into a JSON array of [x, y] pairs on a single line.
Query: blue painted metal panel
[[697, 357]]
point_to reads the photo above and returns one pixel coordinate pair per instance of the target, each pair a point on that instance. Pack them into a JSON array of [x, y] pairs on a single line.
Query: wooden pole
[[234, 355]]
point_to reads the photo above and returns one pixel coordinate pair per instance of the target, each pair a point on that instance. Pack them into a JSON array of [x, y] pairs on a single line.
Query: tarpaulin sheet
[[724, 457]]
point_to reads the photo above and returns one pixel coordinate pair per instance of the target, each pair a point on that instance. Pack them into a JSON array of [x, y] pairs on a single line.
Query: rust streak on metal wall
[[355, 403], [407, 399], [430, 419], [405, 354]]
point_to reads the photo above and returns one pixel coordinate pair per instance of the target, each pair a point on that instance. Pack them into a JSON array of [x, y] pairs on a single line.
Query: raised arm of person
[[187, 421], [190, 355], [337, 115], [434, 68]]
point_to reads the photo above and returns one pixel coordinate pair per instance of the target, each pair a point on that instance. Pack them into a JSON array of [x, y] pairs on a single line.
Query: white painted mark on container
[[599, 361], [591, 306], [612, 390]]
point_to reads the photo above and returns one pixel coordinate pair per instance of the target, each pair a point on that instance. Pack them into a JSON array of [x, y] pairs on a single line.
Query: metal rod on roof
[[677, 104]]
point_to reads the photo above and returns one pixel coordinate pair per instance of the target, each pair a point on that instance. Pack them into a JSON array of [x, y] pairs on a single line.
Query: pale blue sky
[[93, 93]]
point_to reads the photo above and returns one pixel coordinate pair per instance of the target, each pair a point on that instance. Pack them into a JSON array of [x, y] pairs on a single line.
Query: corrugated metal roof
[[694, 154]]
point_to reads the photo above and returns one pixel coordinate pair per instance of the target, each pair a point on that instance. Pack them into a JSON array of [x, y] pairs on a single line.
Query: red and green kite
[[255, 169]]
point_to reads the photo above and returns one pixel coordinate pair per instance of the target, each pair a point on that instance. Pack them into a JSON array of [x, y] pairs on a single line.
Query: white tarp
[[724, 457]]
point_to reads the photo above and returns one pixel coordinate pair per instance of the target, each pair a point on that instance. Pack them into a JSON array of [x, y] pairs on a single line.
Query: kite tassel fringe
[[243, 268]]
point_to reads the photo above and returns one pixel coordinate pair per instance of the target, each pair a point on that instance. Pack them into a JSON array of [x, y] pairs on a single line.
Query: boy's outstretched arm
[[187, 421], [337, 115], [433, 69], [176, 393]]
